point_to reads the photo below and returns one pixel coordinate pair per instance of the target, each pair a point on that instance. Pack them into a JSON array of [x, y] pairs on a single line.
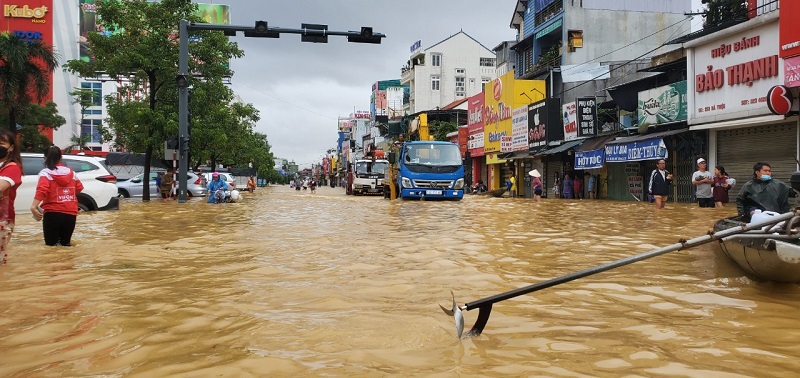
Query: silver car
[[196, 186]]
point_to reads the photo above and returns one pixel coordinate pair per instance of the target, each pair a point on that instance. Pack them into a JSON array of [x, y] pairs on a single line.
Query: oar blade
[[446, 310], [459, 319]]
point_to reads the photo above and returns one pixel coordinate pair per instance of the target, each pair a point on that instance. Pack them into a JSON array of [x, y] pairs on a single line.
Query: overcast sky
[[301, 88]]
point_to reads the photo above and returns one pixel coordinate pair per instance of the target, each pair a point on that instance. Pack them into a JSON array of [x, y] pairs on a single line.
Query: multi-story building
[[447, 71], [568, 43]]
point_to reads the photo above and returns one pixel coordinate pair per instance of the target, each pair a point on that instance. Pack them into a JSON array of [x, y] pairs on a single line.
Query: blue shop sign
[[589, 159], [649, 149]]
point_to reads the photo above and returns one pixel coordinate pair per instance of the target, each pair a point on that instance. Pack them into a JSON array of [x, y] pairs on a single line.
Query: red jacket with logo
[[58, 190]]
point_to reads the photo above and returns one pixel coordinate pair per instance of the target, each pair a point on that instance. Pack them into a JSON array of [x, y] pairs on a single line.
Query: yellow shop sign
[[24, 11]]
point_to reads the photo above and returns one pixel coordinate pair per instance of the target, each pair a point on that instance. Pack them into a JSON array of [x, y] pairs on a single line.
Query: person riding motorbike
[[216, 189]]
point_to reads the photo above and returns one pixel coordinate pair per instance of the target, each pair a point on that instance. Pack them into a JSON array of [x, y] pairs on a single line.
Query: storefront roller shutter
[[739, 149], [551, 169]]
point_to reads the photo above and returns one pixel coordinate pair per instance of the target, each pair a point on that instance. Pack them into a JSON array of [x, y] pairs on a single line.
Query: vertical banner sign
[[791, 71], [537, 126], [555, 130], [31, 20], [634, 179], [475, 125], [505, 143], [789, 32], [587, 116], [519, 128], [570, 120]]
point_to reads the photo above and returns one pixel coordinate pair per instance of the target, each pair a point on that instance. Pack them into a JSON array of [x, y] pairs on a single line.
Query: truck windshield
[[433, 154], [367, 167]]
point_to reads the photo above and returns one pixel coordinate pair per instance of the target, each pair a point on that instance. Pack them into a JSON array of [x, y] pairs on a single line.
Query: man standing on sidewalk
[[703, 179]]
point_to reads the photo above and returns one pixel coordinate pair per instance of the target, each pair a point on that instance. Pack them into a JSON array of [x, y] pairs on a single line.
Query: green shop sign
[[663, 104]]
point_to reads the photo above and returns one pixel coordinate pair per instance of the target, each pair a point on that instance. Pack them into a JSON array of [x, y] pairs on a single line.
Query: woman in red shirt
[[57, 192], [10, 180]]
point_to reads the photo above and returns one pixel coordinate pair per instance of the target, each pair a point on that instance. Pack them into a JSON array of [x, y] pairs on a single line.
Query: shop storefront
[[733, 70], [544, 128], [629, 161], [500, 99], [475, 140], [590, 158]]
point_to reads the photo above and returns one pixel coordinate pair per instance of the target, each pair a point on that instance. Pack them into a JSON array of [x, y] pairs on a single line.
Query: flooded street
[[287, 283]]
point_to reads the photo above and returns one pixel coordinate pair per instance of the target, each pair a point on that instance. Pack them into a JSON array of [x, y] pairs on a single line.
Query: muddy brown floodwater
[[290, 283]]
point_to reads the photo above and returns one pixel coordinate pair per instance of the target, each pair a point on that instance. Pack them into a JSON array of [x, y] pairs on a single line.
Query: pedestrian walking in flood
[[566, 193], [703, 179], [577, 187], [536, 184], [721, 186], [10, 180], [660, 180], [57, 194], [590, 184], [557, 186], [512, 184]]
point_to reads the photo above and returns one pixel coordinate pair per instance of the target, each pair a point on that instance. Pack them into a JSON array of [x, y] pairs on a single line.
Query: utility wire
[[677, 30], [628, 45]]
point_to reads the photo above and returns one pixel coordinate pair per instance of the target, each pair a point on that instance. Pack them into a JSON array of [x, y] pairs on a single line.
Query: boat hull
[[763, 256]]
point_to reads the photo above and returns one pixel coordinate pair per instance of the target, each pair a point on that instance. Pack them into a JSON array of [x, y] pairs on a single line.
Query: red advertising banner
[[475, 125], [31, 20], [463, 136], [789, 32]]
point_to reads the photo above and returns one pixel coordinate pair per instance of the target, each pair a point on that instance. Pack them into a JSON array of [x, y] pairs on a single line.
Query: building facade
[[446, 71]]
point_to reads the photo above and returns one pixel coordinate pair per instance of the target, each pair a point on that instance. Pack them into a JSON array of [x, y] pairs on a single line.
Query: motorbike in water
[[225, 196]]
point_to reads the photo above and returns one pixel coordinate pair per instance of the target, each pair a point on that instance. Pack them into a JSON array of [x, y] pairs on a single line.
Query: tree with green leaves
[[440, 129], [144, 54], [31, 121], [724, 11], [25, 68]]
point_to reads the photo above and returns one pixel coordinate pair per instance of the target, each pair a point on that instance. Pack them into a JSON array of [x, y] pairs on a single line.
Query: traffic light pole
[[183, 110], [310, 33]]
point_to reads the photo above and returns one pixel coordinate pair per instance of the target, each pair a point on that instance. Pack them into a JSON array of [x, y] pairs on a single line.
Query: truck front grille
[[433, 184]]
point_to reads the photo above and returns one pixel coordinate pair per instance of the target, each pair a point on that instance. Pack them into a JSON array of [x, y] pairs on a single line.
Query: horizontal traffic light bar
[[310, 32]]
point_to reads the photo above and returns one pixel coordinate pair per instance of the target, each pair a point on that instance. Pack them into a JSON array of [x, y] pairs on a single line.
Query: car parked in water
[[224, 176], [99, 191], [134, 187]]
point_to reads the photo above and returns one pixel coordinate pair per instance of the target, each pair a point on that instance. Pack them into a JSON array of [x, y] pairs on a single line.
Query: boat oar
[[485, 305]]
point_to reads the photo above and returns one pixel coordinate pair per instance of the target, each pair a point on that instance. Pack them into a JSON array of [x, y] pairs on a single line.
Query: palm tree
[[79, 142], [25, 67]]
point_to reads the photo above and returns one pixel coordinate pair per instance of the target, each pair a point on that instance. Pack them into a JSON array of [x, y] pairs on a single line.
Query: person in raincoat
[[216, 189], [763, 193]]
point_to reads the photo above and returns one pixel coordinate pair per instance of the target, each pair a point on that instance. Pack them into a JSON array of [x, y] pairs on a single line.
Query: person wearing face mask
[[10, 180], [763, 193]]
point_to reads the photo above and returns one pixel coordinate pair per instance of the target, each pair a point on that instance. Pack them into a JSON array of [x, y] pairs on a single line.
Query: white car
[[224, 176], [99, 189]]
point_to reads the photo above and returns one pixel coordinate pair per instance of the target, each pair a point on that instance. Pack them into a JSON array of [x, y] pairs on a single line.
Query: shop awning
[[639, 147], [563, 147], [591, 153], [516, 155], [747, 122], [596, 143]]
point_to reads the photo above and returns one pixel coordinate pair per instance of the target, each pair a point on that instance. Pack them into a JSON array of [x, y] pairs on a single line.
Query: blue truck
[[428, 170]]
